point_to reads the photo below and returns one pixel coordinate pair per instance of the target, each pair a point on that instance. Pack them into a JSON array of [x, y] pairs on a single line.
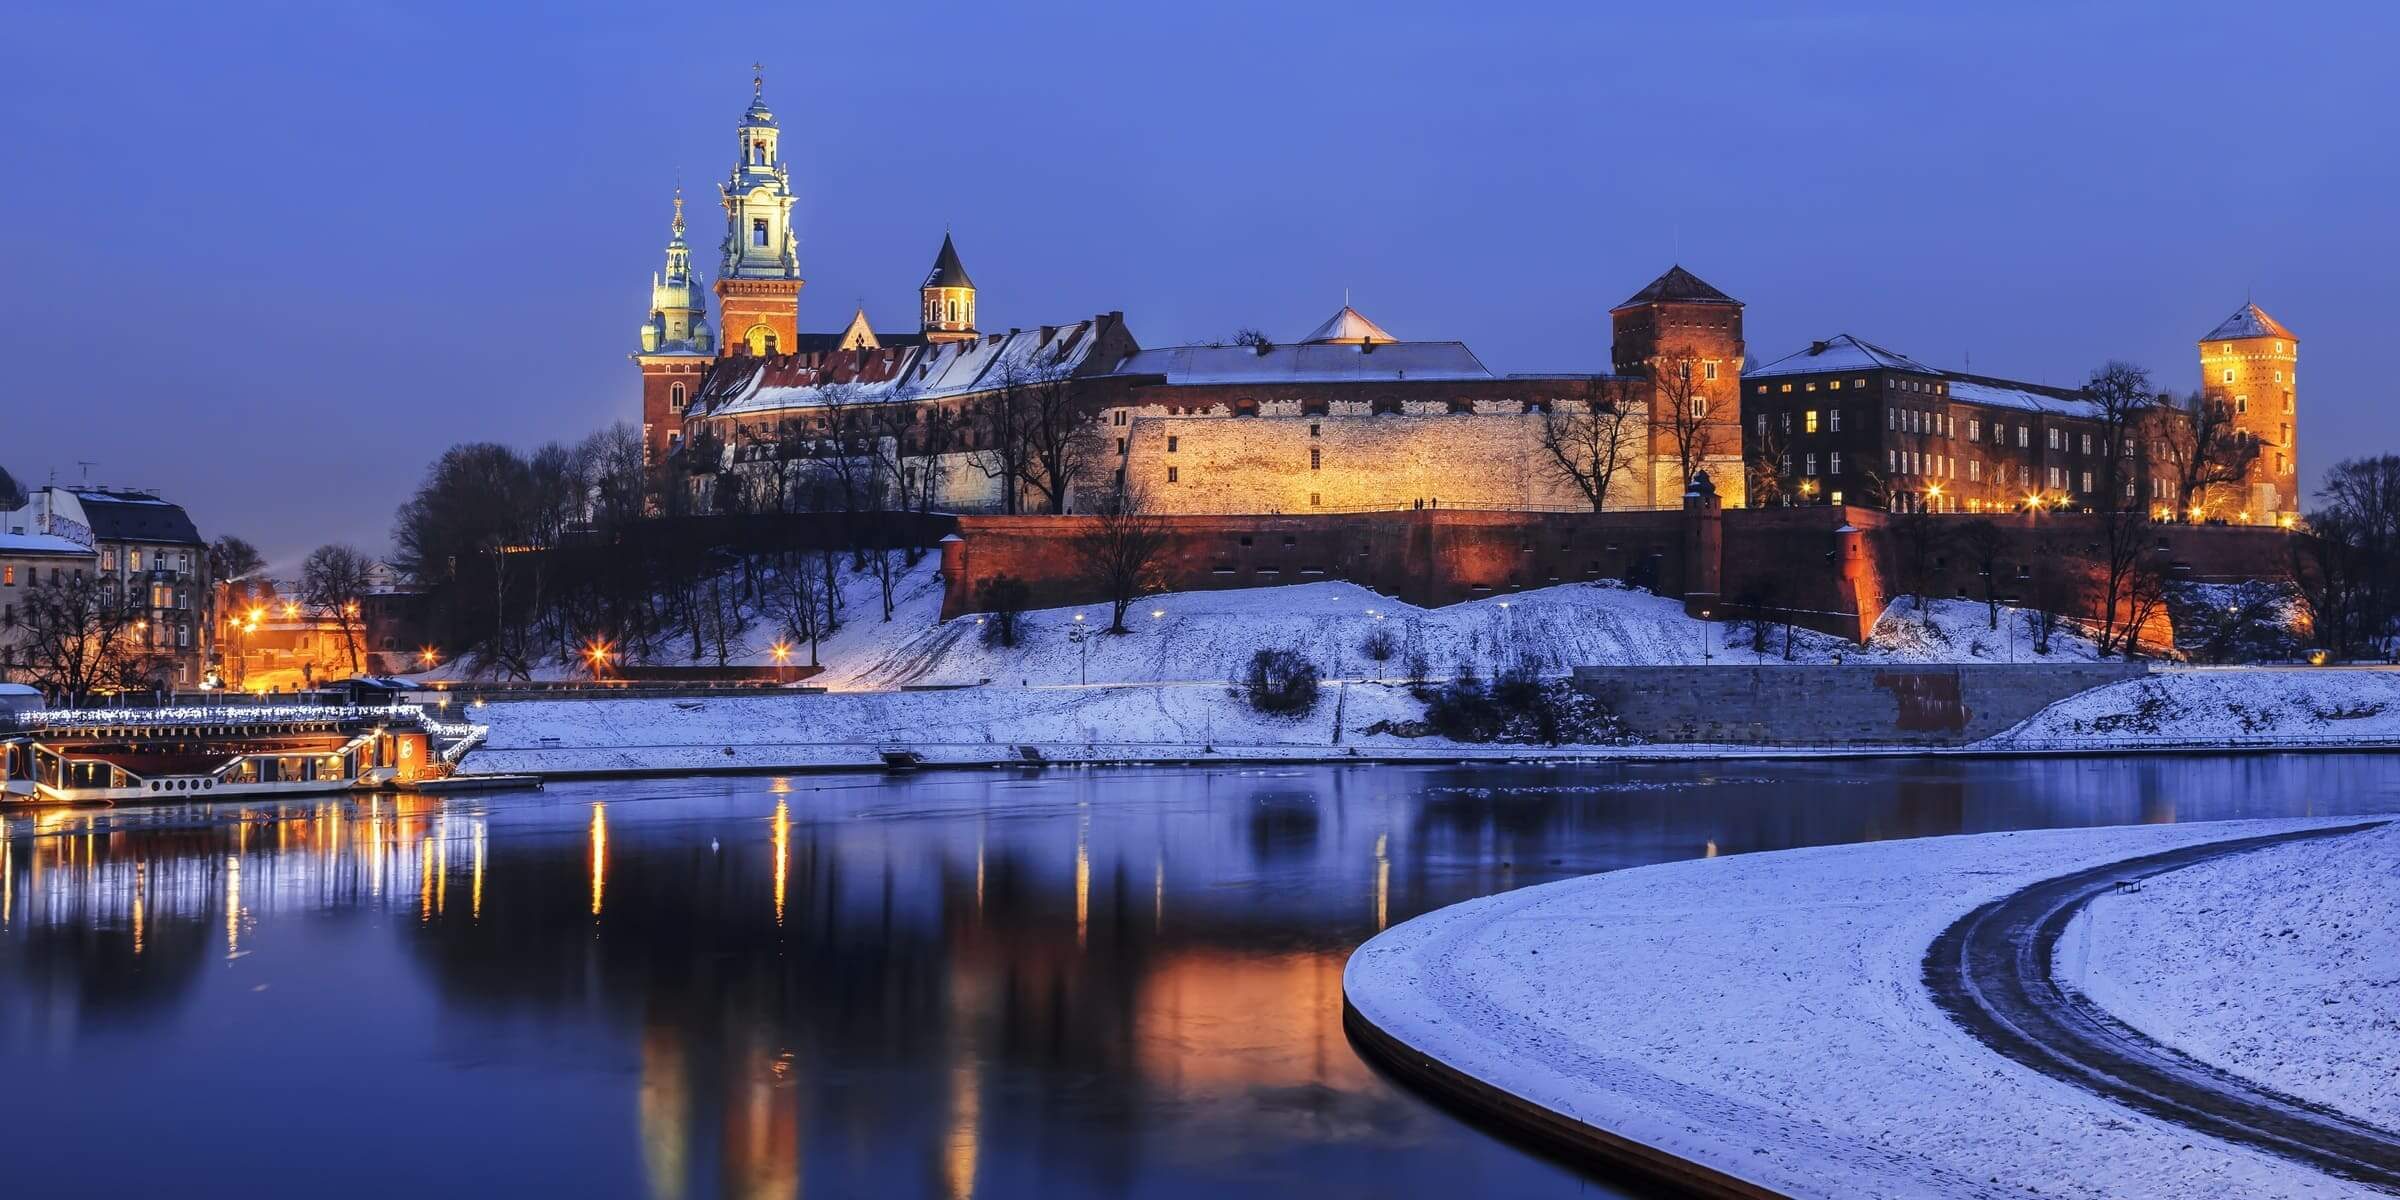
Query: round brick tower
[[2252, 362]]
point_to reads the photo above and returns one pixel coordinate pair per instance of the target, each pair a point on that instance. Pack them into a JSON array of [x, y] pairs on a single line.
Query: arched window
[[761, 340], [953, 311], [675, 398]]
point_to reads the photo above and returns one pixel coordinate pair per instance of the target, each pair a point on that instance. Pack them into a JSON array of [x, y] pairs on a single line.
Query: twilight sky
[[273, 258]]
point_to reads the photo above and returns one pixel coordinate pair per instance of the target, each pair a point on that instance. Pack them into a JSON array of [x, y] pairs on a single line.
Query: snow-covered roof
[[920, 372], [2250, 321], [35, 544], [2001, 394], [1838, 353], [1347, 326], [1309, 363]]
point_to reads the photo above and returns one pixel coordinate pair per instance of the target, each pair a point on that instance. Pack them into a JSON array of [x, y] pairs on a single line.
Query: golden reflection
[[8, 876], [1083, 878], [1222, 1023], [441, 864], [979, 876], [375, 846], [962, 1145], [141, 873], [762, 1130], [425, 878], [1383, 880], [478, 886], [783, 853], [233, 906], [599, 854], [665, 1099]]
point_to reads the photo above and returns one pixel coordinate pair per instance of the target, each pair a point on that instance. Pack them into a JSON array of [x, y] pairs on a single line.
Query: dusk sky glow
[[272, 259]]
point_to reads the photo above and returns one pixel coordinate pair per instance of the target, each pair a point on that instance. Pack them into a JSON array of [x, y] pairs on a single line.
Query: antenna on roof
[[87, 469]]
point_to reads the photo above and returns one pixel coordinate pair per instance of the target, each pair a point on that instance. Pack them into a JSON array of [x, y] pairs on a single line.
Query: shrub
[[1004, 597], [1379, 645], [1415, 667], [1282, 682], [1519, 706]]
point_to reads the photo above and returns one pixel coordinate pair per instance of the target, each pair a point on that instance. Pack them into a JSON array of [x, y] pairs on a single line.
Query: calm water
[[1120, 983]]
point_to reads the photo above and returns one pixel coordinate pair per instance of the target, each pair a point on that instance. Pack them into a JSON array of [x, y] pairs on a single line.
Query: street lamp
[[1705, 652], [430, 657], [597, 653]]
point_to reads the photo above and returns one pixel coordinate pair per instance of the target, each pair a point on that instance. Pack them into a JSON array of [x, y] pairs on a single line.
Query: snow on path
[[1765, 1015], [2281, 966]]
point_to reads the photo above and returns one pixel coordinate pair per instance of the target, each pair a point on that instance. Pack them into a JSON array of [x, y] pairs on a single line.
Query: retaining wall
[[1863, 705]]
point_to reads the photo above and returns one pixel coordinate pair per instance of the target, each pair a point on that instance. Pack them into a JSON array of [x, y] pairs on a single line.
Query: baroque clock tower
[[758, 277]]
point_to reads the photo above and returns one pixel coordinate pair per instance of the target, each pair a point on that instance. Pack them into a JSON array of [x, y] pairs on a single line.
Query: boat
[[138, 755]]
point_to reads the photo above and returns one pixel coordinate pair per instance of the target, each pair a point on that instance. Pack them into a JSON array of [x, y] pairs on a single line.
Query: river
[[1069, 984]]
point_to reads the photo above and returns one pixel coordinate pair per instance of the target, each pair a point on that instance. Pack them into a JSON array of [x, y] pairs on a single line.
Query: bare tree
[[1593, 436], [1982, 543], [1769, 463], [2048, 592], [1059, 442], [1120, 551], [2197, 440], [2121, 399], [1918, 539], [334, 579], [1680, 406], [76, 636], [796, 596]]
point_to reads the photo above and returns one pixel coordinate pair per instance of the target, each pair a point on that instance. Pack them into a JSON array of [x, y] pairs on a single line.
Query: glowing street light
[[1156, 613], [598, 653], [429, 656]]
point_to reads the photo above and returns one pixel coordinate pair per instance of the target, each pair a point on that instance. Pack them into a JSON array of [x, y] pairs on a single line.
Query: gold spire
[[678, 212]]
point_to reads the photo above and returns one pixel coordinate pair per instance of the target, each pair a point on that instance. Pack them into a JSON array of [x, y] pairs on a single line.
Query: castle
[[1350, 417]]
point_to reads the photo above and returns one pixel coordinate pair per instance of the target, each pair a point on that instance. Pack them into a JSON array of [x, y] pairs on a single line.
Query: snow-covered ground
[[2281, 965], [2294, 706], [1192, 636], [1765, 1015]]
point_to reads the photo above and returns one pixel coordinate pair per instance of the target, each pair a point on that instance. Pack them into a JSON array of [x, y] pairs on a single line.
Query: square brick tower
[[2252, 362], [1686, 338]]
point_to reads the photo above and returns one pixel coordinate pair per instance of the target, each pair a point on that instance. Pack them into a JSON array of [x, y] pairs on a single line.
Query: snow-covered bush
[[1282, 682], [1520, 706]]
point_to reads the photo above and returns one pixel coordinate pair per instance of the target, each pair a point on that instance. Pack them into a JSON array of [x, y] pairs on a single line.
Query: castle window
[[2087, 482], [1120, 446], [675, 398], [1314, 428], [1809, 386], [1833, 463], [1834, 497], [2241, 404], [1812, 420], [1699, 407], [1762, 389], [758, 231], [1170, 474], [1783, 464], [1836, 385], [1762, 421], [1120, 416], [2024, 436], [2054, 439], [2087, 443], [1833, 419], [1812, 464], [1787, 387], [1314, 500], [1316, 458], [1708, 370], [1786, 421], [1171, 442], [2229, 374], [1858, 383]]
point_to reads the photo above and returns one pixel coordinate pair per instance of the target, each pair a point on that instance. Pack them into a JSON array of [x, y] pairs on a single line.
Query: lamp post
[[1080, 634], [783, 657], [1706, 653]]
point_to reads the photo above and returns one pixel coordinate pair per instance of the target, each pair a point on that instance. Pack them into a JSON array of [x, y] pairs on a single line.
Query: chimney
[[1816, 348]]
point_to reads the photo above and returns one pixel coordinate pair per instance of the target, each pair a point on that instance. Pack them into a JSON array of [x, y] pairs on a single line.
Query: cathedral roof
[[947, 271], [2250, 321], [1678, 285], [906, 367], [1347, 327]]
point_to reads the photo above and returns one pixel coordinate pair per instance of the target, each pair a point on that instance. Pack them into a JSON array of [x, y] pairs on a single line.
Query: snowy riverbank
[[1766, 1016], [2281, 966], [2298, 707]]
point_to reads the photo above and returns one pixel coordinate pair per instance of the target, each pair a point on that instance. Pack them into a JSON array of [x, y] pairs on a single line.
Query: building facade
[[28, 561], [2252, 363], [153, 559]]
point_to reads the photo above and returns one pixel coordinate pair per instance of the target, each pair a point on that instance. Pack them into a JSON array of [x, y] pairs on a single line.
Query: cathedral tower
[[676, 345], [949, 298], [2252, 362], [758, 279]]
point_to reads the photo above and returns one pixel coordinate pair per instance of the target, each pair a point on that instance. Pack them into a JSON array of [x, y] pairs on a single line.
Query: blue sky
[[273, 258]]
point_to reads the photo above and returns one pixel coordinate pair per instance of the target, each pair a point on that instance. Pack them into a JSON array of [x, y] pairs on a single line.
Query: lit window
[[1787, 387], [1812, 422], [2229, 374], [1762, 389], [1974, 470], [2024, 436], [2087, 481], [2087, 443], [1708, 370], [1836, 385], [2054, 439], [8, 577], [675, 398], [1837, 496], [1858, 383], [1974, 429]]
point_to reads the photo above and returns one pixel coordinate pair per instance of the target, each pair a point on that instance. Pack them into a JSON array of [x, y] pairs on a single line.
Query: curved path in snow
[[1991, 971]]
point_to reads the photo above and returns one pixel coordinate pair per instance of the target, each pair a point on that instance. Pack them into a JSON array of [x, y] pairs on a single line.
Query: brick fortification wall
[[1828, 568], [1839, 705]]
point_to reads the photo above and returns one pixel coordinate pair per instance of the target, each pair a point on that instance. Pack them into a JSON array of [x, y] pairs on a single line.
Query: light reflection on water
[[1073, 984]]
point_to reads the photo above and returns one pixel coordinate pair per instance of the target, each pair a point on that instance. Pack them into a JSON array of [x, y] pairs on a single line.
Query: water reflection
[[1078, 984]]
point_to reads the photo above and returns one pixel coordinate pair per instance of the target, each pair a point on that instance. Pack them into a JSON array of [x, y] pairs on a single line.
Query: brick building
[[1847, 421], [152, 555]]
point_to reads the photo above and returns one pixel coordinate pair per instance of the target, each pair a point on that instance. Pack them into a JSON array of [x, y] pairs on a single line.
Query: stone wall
[[1863, 705]]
